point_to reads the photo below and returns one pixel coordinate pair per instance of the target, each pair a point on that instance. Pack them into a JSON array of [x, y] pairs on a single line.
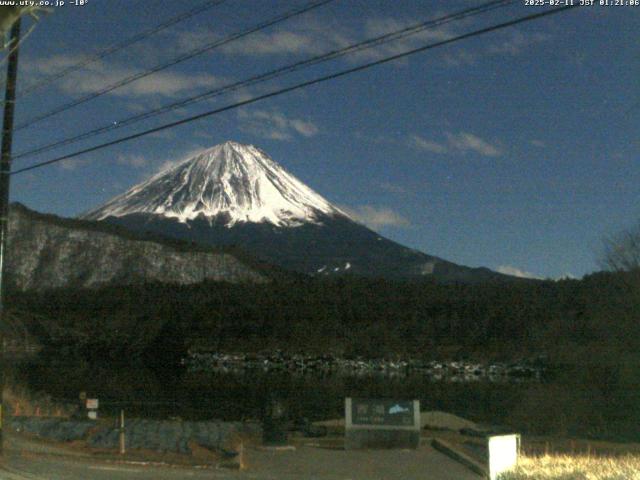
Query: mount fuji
[[234, 194]]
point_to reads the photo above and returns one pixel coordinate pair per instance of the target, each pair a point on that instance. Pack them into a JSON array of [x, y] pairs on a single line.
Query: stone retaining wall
[[158, 435]]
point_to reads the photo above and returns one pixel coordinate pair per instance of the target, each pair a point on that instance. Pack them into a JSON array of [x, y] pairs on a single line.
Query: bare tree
[[621, 251]]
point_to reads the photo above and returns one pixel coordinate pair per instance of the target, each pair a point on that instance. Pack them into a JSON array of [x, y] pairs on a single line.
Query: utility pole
[[5, 178]]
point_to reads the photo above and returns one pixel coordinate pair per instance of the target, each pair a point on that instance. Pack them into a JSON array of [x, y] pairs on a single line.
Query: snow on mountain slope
[[239, 183]]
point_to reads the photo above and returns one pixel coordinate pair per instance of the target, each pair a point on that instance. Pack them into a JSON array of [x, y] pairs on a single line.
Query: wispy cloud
[[164, 134], [516, 272], [100, 75], [135, 161], [375, 27], [538, 143], [468, 142], [376, 216], [511, 44], [275, 125], [314, 36], [378, 26], [71, 164], [515, 42], [308, 36], [462, 142], [423, 144], [284, 43]]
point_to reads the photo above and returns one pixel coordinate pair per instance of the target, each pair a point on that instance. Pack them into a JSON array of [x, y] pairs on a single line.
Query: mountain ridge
[[45, 251]]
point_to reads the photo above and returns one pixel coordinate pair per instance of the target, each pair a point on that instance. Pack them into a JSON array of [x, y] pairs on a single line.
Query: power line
[[299, 86], [120, 46], [176, 60], [270, 75]]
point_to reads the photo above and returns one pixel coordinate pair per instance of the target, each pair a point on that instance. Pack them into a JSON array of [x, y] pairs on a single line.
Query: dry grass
[[576, 467]]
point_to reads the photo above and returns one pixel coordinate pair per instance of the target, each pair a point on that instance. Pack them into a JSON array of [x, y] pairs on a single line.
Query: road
[[32, 460]]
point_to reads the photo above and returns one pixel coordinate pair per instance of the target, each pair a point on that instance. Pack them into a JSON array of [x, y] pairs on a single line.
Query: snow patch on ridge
[[240, 182]]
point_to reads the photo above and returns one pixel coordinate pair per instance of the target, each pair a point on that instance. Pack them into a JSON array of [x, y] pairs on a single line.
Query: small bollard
[[121, 436]]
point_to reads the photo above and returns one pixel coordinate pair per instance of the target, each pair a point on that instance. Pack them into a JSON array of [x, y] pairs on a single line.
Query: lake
[[570, 401]]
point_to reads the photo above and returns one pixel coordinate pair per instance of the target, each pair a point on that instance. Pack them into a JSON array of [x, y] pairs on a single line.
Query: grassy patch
[[576, 467]]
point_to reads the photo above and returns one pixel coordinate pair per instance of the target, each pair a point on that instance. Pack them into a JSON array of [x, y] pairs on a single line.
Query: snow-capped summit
[[230, 182]]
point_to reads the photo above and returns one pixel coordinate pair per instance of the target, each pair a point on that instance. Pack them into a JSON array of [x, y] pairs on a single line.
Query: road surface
[[26, 459]]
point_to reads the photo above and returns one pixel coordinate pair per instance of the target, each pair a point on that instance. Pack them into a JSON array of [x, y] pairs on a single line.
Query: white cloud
[[462, 142], [513, 44], [275, 125], [423, 144], [313, 36], [100, 75], [516, 272], [281, 43], [375, 27], [135, 161], [71, 164], [466, 142], [517, 42], [306, 36], [376, 217], [304, 128], [166, 134]]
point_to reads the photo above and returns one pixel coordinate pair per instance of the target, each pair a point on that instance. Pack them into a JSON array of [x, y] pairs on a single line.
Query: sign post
[[92, 408], [121, 434], [381, 423]]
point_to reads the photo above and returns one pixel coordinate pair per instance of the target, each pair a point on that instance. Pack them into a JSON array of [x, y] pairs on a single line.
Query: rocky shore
[[331, 365]]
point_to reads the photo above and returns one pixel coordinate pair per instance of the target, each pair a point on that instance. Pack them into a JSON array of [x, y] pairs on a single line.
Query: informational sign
[[383, 413], [503, 453], [382, 423], [92, 404], [92, 414]]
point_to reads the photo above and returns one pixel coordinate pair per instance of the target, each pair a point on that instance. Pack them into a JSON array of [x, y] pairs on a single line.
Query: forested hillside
[[599, 315]]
